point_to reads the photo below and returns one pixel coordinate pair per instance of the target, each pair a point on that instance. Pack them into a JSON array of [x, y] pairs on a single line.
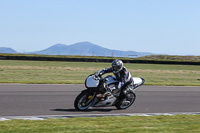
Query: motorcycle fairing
[[91, 82]]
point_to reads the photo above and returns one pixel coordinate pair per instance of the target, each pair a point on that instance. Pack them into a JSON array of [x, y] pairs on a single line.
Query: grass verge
[[139, 124], [52, 72]]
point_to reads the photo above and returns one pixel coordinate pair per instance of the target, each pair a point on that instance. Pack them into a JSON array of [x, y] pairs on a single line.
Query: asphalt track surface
[[32, 100]]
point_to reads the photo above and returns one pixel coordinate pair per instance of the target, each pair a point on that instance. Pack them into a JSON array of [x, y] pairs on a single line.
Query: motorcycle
[[102, 92]]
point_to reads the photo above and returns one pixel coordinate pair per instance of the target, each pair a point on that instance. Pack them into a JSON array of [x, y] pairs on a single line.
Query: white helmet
[[117, 65]]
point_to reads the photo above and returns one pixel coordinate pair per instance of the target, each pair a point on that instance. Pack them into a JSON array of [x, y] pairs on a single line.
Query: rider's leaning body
[[121, 73]]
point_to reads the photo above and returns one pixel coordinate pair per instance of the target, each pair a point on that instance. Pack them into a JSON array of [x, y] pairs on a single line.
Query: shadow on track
[[88, 110]]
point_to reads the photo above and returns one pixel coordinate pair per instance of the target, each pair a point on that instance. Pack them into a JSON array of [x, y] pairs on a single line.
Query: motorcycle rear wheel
[[126, 102], [81, 101]]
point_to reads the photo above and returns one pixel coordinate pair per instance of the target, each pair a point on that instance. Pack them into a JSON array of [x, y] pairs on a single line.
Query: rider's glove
[[99, 73]]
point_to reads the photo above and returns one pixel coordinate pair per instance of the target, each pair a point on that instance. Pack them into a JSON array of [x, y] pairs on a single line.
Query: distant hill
[[87, 49], [7, 50], [82, 49]]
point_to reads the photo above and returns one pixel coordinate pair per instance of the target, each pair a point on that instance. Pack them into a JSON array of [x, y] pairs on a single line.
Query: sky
[[158, 26]]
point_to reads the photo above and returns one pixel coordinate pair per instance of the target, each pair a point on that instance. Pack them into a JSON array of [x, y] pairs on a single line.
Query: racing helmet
[[117, 65]]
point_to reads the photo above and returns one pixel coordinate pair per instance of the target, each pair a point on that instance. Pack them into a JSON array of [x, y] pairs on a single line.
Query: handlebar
[[96, 76]]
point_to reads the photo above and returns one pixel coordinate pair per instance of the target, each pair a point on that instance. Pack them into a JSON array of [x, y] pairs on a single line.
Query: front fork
[[90, 96]]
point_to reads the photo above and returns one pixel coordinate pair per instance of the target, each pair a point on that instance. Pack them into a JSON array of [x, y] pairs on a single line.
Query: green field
[[171, 58], [139, 124], [53, 72]]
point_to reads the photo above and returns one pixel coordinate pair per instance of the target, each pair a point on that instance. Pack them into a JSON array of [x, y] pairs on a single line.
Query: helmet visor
[[116, 68]]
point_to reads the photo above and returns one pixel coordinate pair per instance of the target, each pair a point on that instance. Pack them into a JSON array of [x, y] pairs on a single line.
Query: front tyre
[[127, 101], [83, 101]]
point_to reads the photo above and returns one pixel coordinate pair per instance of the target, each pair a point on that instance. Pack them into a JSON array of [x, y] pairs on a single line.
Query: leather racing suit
[[124, 77]]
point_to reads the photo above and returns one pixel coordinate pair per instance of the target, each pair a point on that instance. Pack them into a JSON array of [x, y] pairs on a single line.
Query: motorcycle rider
[[121, 73]]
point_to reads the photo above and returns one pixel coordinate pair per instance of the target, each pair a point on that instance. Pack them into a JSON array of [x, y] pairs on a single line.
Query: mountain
[[7, 50], [81, 48], [88, 49]]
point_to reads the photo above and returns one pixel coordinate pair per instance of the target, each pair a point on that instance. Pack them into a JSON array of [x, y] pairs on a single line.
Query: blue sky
[[157, 26]]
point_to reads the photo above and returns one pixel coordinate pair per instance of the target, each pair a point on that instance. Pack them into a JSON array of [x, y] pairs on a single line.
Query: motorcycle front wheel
[[83, 101], [127, 101]]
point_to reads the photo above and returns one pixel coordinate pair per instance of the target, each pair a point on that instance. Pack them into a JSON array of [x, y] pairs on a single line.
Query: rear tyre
[[82, 101], [127, 101]]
